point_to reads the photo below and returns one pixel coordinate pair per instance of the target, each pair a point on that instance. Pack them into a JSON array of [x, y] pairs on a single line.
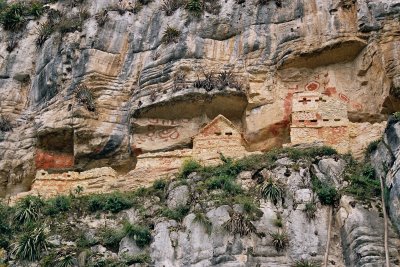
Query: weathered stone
[[179, 196], [128, 247]]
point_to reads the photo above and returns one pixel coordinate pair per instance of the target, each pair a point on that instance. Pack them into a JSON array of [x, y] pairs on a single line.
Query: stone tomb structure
[[220, 136], [319, 118]]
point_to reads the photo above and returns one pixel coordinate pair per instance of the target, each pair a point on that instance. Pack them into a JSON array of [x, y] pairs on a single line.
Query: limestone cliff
[[111, 95], [245, 60]]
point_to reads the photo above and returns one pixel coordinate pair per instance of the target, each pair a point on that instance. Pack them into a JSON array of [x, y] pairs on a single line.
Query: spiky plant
[[272, 191], [66, 261], [238, 224], [279, 240], [31, 245], [28, 209], [195, 7], [310, 210], [201, 219], [170, 6], [171, 35], [306, 263]]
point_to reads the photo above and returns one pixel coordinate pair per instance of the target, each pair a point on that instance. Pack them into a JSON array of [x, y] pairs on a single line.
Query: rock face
[[242, 59], [386, 161]]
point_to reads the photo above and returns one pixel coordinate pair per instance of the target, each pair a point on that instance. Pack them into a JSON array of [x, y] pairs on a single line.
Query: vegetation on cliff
[[39, 219]]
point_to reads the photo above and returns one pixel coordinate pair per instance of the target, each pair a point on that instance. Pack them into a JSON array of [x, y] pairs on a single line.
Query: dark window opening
[[217, 133], [313, 120], [228, 133]]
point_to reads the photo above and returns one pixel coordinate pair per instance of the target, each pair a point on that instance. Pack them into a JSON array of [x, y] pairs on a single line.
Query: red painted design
[[357, 106], [53, 160], [344, 98], [330, 91], [312, 86], [287, 106]]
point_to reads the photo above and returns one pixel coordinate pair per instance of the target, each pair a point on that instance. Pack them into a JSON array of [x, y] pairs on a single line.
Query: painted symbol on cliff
[[312, 86], [165, 135], [344, 98]]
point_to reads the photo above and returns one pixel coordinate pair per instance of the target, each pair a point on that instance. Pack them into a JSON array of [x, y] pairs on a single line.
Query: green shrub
[[171, 35], [36, 9], [327, 194], [110, 238], [96, 203], [362, 181], [372, 147], [12, 17], [116, 203], [396, 116], [5, 225], [225, 183], [57, 205], [28, 209], [176, 214], [140, 258], [30, 245], [250, 207], [279, 240], [202, 219], [140, 234], [160, 184], [188, 167], [272, 191]]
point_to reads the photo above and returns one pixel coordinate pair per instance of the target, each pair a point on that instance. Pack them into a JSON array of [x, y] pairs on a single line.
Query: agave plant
[[31, 245], [279, 240], [238, 224], [28, 209], [272, 191], [171, 35], [66, 261]]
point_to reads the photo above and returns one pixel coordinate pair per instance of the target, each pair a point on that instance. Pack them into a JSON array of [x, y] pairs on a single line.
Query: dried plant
[[170, 6], [85, 97], [44, 31], [102, 18], [279, 240], [12, 43], [179, 80], [5, 124], [238, 224]]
